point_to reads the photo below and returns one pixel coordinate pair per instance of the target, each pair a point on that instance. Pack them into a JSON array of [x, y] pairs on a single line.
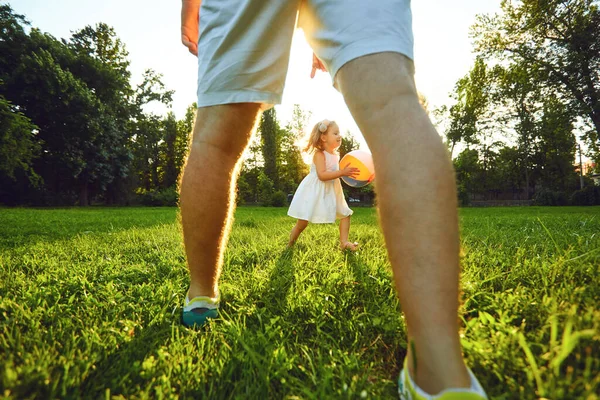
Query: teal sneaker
[[199, 310], [408, 390]]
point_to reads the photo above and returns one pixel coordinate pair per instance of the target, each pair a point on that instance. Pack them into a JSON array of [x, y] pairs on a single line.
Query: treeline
[[535, 84], [72, 127]]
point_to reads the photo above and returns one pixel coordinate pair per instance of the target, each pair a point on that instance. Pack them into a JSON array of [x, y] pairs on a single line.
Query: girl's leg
[[344, 230], [297, 230]]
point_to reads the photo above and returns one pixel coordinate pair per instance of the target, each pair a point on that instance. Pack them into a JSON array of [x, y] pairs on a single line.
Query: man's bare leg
[[208, 186], [416, 194]]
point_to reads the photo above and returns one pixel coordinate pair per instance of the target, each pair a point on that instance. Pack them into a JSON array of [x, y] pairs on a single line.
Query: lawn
[[90, 303]]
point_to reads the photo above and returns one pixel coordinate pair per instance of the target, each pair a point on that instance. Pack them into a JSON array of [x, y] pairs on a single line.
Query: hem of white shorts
[[354, 51], [238, 96]]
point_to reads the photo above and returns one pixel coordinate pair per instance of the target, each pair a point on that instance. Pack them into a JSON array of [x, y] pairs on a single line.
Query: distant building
[[588, 167]]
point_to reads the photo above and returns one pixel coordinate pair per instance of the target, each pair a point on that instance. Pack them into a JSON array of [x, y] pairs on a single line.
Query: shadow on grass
[[281, 280], [121, 369], [255, 353], [369, 288]]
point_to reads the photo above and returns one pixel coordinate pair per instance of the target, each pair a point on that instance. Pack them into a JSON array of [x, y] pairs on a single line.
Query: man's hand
[[190, 10], [317, 64]]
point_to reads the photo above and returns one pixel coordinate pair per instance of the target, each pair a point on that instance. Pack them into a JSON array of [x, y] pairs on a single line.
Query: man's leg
[[208, 186], [418, 211]]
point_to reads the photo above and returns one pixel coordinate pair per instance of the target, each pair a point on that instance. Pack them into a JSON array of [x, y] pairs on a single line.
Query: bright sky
[[150, 31]]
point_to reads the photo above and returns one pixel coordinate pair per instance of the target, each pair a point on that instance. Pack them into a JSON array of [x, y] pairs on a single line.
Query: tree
[[558, 39], [555, 147], [291, 165], [266, 188], [470, 116], [147, 152], [184, 134], [519, 94], [18, 146], [69, 117], [151, 136], [171, 170], [349, 143], [270, 134], [90, 121], [467, 168], [13, 43], [103, 65], [509, 170]]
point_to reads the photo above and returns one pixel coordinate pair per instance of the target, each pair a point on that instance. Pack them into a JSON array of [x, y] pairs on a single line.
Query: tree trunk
[[526, 182], [83, 195]]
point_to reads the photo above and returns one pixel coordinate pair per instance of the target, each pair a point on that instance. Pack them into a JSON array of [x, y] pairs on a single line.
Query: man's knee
[[370, 82], [227, 128]]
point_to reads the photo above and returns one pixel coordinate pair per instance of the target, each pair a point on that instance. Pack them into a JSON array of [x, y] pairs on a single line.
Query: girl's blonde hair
[[314, 140]]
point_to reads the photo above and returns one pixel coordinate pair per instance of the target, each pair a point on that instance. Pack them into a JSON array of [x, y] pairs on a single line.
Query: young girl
[[319, 197]]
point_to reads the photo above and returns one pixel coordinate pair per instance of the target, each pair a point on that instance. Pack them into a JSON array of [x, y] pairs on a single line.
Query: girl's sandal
[[197, 311]]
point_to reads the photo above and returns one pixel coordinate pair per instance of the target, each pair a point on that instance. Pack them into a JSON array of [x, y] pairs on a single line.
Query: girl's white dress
[[320, 201]]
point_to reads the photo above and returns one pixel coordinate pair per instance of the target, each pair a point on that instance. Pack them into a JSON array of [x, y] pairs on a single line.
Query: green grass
[[90, 302]]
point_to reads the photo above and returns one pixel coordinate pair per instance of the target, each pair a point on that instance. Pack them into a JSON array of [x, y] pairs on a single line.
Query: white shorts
[[244, 45]]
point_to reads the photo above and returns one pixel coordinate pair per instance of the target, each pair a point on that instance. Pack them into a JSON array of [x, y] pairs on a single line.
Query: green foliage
[[467, 169], [244, 192], [270, 135], [18, 146], [160, 197], [278, 199], [588, 196], [275, 152], [265, 188], [91, 300], [548, 197], [470, 116], [93, 137], [349, 143], [559, 41], [555, 149]]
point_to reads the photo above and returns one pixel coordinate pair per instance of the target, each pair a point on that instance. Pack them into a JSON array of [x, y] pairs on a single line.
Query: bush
[[547, 197], [161, 197], [278, 199], [463, 196], [588, 196]]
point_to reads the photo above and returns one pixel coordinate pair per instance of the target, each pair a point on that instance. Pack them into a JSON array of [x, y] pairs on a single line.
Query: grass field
[[90, 302]]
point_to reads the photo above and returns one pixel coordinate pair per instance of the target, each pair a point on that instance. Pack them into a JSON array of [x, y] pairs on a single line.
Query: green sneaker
[[199, 310], [408, 390]]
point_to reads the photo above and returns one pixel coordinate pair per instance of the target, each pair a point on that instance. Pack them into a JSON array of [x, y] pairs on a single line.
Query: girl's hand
[[350, 171]]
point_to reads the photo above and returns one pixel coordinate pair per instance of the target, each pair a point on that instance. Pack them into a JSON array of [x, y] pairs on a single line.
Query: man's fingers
[[192, 47], [317, 65], [189, 24], [322, 66]]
